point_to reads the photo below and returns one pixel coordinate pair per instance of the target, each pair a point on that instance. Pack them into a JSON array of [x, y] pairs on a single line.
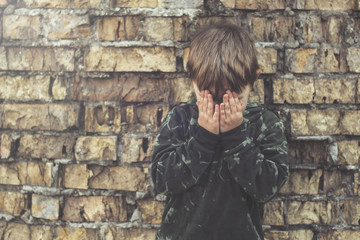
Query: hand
[[208, 117], [231, 114]]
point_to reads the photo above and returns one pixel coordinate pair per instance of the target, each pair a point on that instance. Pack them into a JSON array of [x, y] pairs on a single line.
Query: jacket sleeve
[[182, 152], [259, 165]]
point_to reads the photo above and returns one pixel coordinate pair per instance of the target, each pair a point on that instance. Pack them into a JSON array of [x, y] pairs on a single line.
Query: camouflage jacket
[[216, 184]]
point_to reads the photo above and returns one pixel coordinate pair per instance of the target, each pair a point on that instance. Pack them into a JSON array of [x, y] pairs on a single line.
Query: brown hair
[[222, 56]]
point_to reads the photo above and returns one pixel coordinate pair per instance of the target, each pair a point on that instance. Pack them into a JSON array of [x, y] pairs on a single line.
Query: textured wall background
[[84, 85]]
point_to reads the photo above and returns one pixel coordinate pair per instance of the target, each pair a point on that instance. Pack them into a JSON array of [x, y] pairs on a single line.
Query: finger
[[238, 103], [227, 105], [222, 111], [205, 103], [233, 107], [216, 112], [210, 105]]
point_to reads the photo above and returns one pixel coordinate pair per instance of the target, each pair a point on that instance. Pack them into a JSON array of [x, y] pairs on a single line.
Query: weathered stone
[[46, 3], [103, 119], [349, 152], [94, 209], [158, 29], [352, 211], [202, 21], [25, 88], [41, 232], [76, 176], [5, 146], [274, 213], [130, 59], [350, 123], [316, 122], [127, 88], [41, 59], [16, 231], [228, 3], [329, 60], [298, 91], [340, 235], [151, 211], [3, 3], [279, 29], [292, 234], [185, 57], [257, 93], [137, 149], [151, 114], [95, 148], [21, 27], [68, 233], [312, 212], [267, 58], [66, 26], [333, 30], [325, 5], [13, 203], [42, 146], [276, 235], [303, 182], [356, 184], [45, 207], [3, 59], [120, 178], [86, 4], [129, 233], [353, 59], [136, 3], [334, 91], [301, 60], [311, 27], [26, 173], [259, 4], [119, 28], [59, 90], [181, 90], [63, 117], [181, 4], [337, 183], [181, 28], [303, 152]]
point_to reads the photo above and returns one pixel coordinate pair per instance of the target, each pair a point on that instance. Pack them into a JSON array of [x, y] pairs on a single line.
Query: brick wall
[[84, 85]]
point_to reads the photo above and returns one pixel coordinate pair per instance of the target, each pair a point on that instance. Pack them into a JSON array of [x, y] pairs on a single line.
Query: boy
[[220, 158]]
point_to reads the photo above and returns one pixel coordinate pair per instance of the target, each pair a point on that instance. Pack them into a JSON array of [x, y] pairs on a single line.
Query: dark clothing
[[216, 185]]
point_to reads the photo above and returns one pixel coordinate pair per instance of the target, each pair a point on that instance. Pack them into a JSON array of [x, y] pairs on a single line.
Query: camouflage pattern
[[216, 185]]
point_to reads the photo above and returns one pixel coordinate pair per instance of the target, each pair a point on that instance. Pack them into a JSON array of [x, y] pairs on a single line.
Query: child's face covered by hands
[[224, 117]]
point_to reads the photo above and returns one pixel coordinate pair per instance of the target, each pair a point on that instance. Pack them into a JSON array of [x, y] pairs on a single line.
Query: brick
[[151, 114], [181, 90], [267, 58], [5, 146], [130, 59], [286, 235], [303, 182], [63, 117], [41, 59], [40, 146], [70, 233], [352, 211], [257, 4], [45, 207], [202, 21], [325, 5], [13, 203], [26, 173], [151, 211], [340, 235], [86, 4], [104, 118], [274, 213], [3, 59], [181, 28], [21, 27], [312, 212], [298, 91], [338, 183], [349, 152], [279, 29], [124, 88], [119, 28], [316, 122], [334, 91], [329, 60], [276, 235], [311, 27], [95, 148], [333, 29], [119, 178], [59, 88], [137, 149], [136, 3], [25, 87], [14, 231], [353, 59], [46, 3], [66, 26], [129, 233], [301, 60], [304, 152], [76, 176], [350, 123], [181, 4], [158, 29], [257, 94], [356, 184], [94, 209]]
